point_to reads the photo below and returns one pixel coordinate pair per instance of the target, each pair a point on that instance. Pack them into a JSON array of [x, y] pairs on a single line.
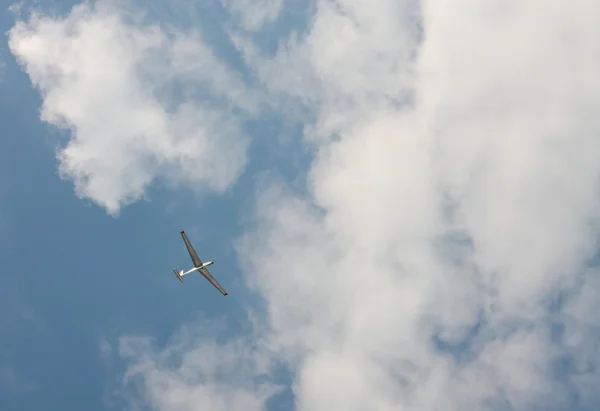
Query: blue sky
[[75, 277], [273, 134]]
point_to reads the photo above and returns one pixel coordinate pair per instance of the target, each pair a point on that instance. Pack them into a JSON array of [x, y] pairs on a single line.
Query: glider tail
[[178, 275]]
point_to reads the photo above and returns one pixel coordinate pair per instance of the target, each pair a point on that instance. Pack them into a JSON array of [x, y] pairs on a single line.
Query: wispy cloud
[[441, 257], [196, 371], [14, 384], [254, 14]]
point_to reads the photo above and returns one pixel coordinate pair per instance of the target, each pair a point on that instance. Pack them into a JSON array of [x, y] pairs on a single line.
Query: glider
[[198, 266]]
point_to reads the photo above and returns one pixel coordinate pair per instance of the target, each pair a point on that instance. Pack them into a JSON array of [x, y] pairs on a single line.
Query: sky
[[402, 199]]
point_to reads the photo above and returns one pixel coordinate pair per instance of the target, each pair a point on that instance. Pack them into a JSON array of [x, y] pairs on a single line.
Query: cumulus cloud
[[439, 259], [112, 79], [443, 256]]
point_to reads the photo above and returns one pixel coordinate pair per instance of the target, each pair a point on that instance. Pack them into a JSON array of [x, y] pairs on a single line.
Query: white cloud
[[354, 57], [254, 14], [197, 372], [105, 349], [109, 79], [500, 147], [442, 240]]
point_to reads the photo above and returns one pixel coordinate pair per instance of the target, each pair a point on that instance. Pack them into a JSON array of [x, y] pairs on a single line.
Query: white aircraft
[[198, 266]]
